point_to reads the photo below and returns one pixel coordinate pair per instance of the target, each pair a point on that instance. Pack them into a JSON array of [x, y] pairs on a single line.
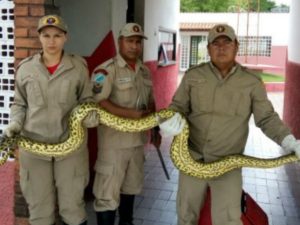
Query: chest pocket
[[34, 93], [241, 103], [232, 102], [200, 95], [125, 93]]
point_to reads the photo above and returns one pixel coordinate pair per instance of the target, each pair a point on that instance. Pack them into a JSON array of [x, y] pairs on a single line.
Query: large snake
[[179, 147]]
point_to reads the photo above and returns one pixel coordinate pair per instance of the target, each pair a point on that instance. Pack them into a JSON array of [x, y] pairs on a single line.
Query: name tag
[[123, 80]]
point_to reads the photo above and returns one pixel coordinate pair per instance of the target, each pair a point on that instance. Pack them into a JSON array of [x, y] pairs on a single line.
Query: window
[[167, 47], [198, 52], [255, 46]]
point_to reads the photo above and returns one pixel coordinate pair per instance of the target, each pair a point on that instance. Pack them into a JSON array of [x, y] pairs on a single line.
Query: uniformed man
[[48, 86], [217, 98], [122, 86]]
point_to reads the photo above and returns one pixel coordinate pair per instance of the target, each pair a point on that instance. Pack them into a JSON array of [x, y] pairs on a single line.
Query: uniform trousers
[[226, 192], [118, 171], [46, 184]]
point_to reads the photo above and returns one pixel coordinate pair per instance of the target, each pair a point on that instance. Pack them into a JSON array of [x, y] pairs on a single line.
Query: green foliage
[[267, 77], [226, 5]]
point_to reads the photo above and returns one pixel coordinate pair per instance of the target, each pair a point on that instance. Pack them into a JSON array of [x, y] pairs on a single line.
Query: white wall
[[262, 24], [163, 14], [294, 33], [99, 17], [93, 17], [90, 21], [118, 17]]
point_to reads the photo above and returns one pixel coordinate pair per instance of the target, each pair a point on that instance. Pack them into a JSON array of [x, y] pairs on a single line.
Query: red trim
[[105, 50], [292, 98]]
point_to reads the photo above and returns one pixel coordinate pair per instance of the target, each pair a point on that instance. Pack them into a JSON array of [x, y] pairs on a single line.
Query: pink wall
[[164, 83], [274, 64], [291, 110]]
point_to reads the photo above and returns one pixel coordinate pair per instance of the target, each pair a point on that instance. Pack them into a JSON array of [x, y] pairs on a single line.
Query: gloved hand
[[289, 143], [91, 120], [172, 126], [12, 129]]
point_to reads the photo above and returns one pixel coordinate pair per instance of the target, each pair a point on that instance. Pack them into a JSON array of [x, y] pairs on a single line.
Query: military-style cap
[[221, 30], [52, 21], [132, 29]]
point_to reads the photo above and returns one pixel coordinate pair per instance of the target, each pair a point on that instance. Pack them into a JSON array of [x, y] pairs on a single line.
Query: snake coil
[[179, 147]]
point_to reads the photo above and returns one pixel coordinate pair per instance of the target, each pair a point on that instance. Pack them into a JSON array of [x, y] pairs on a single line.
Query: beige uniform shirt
[[116, 81], [43, 102], [218, 110]]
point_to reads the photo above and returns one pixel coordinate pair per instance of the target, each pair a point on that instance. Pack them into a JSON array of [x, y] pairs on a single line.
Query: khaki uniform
[[218, 112], [119, 166], [42, 105]]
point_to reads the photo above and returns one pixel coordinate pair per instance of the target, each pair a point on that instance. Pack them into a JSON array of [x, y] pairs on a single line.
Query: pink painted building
[[262, 47]]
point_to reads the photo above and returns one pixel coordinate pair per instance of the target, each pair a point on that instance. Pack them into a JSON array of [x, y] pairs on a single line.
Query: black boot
[[126, 209], [84, 223], [106, 217]]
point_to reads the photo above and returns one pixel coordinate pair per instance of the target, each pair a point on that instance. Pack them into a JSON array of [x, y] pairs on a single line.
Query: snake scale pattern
[[179, 147]]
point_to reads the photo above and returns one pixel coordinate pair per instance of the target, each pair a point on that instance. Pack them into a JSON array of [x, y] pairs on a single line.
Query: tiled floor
[[276, 190]]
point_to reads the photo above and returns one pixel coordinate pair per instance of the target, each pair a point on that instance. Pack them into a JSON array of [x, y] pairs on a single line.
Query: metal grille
[[255, 46], [6, 60], [184, 54]]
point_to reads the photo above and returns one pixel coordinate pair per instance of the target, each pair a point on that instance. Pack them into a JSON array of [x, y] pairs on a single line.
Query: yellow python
[[179, 147]]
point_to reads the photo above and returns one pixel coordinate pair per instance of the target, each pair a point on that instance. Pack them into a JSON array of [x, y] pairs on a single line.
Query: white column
[[294, 32]]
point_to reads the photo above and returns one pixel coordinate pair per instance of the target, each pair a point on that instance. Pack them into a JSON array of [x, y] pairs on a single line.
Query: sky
[[286, 2]]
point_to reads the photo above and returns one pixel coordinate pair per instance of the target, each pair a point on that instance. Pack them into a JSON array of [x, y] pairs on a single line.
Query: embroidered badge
[[51, 20], [136, 28], [220, 29], [98, 80]]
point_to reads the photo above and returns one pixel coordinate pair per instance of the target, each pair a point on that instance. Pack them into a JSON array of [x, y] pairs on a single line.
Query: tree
[[225, 5]]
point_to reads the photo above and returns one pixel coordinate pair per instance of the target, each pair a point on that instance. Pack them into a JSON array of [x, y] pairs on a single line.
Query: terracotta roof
[[196, 26]]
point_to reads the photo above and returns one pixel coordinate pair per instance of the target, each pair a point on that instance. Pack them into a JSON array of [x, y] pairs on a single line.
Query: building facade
[[261, 47]]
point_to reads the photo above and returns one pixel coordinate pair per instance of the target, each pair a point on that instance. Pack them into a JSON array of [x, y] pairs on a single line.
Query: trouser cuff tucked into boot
[[106, 217], [126, 209], [84, 223]]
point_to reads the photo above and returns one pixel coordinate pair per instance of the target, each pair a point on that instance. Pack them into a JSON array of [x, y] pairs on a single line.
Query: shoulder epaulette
[[145, 68], [25, 61], [79, 58], [107, 63], [104, 66], [195, 67], [251, 72]]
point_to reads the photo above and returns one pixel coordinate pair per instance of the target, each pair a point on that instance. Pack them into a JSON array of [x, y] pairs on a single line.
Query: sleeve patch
[[98, 81], [99, 78]]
